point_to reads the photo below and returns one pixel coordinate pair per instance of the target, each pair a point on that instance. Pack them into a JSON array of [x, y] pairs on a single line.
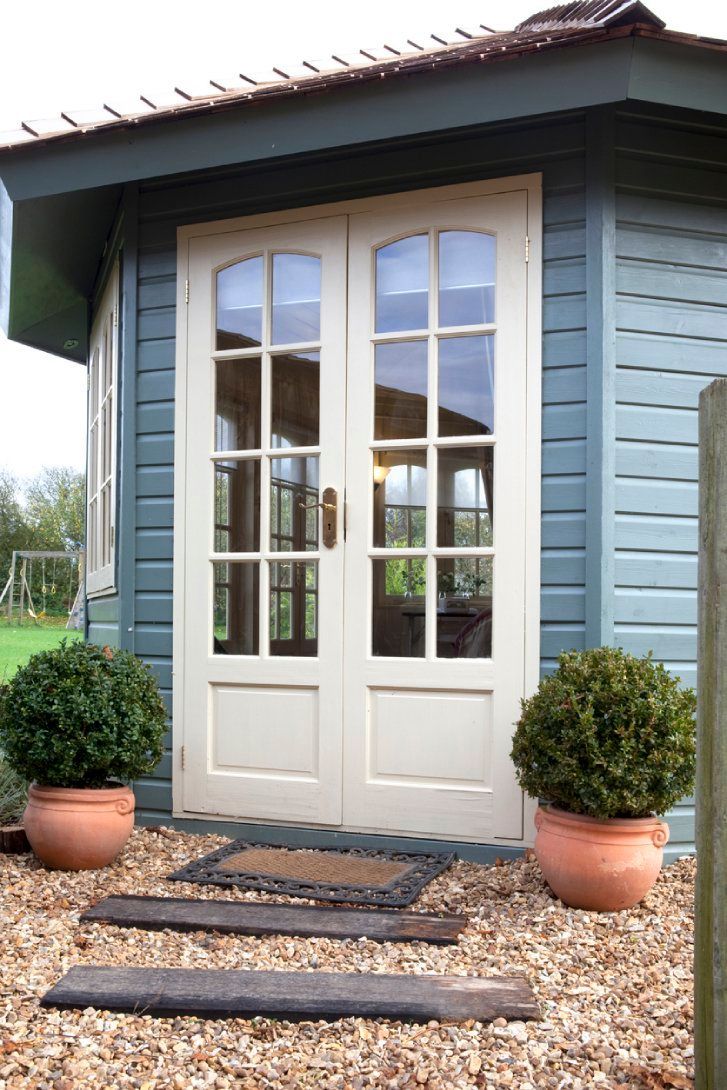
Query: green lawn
[[18, 643]]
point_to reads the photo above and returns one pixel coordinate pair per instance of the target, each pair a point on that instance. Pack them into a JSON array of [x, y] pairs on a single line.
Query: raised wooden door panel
[[436, 531], [265, 396]]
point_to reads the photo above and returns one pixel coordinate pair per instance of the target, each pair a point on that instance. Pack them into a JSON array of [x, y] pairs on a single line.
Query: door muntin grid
[[265, 452], [433, 407]]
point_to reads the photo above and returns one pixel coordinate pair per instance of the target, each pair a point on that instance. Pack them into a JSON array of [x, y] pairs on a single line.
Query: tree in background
[[46, 512], [14, 530], [55, 508]]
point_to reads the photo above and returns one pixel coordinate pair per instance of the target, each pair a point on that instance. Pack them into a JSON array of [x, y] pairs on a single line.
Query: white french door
[[435, 587], [263, 623], [356, 666]]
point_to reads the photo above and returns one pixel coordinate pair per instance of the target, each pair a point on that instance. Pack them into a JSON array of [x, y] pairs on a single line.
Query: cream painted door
[[371, 684], [436, 501], [262, 616]]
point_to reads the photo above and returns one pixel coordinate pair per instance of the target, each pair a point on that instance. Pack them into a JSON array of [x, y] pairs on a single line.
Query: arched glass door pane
[[402, 285], [466, 278], [296, 299], [240, 304]]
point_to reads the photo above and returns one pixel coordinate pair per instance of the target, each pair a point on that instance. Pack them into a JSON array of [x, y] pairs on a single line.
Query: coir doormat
[[346, 875]]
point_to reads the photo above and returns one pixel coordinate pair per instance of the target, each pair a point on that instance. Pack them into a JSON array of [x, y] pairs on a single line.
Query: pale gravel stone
[[615, 990]]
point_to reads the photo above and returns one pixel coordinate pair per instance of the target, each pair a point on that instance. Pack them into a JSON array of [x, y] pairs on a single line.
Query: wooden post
[[23, 583], [12, 587], [710, 948]]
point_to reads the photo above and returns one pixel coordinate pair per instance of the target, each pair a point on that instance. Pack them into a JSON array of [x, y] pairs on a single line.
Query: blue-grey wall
[[671, 340], [656, 279]]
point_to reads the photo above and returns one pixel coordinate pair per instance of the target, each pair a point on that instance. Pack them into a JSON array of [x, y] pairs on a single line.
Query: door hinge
[[113, 536], [186, 291], [183, 754], [527, 248], [116, 315]]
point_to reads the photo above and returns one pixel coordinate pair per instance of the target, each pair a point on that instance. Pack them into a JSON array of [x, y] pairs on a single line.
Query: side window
[[102, 412]]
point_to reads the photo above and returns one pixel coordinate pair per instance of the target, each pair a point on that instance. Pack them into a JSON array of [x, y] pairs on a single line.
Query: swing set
[[20, 581]]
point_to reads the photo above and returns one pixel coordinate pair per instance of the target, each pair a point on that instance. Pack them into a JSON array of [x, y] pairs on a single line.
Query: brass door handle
[[329, 506]]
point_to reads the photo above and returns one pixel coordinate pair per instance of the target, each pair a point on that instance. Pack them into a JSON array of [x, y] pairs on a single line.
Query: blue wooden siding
[[103, 620], [556, 149], [671, 340], [670, 276]]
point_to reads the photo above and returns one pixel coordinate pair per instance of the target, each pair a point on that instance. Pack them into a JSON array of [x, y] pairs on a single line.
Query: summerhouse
[[393, 367]]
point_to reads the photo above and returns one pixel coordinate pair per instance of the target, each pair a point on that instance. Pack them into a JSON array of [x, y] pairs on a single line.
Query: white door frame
[[532, 185]]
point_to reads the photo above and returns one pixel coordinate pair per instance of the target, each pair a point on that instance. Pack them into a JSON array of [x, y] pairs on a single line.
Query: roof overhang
[[60, 196]]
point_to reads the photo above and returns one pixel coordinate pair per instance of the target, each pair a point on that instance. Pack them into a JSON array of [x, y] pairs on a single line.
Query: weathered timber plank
[[13, 840], [251, 918], [214, 993]]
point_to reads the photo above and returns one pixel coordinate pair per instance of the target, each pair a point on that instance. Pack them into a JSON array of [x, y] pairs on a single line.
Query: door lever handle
[[329, 506]]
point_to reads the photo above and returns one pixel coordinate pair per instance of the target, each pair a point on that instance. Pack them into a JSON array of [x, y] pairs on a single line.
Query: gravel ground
[[615, 989]]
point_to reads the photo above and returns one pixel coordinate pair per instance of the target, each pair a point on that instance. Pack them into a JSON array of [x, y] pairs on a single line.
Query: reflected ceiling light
[[380, 475]]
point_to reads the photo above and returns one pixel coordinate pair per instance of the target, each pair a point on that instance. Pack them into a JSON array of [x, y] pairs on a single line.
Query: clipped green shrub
[[81, 715], [607, 735]]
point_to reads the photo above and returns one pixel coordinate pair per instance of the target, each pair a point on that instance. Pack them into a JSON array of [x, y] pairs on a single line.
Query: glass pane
[[294, 607], [466, 278], [237, 416], [296, 298], [400, 499], [236, 599], [293, 491], [464, 608], [401, 391], [295, 395], [240, 304], [237, 507], [399, 587], [465, 496], [466, 386], [402, 285]]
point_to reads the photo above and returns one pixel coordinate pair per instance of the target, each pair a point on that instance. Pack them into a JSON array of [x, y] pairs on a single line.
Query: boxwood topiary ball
[[607, 735], [81, 715]]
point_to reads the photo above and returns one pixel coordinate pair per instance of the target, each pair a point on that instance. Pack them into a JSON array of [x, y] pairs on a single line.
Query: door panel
[[435, 552], [263, 618], [361, 672]]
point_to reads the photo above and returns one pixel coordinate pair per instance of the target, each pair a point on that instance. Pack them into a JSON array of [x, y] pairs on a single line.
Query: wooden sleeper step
[[233, 993], [260, 918]]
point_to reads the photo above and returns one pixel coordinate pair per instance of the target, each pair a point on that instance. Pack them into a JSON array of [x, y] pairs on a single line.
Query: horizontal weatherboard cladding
[[554, 147], [671, 341], [670, 267]]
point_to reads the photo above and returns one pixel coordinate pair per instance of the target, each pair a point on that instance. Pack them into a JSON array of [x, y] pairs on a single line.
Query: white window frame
[[101, 442]]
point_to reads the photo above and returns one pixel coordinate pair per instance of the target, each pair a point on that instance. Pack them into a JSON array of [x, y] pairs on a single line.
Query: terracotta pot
[[78, 828], [603, 865]]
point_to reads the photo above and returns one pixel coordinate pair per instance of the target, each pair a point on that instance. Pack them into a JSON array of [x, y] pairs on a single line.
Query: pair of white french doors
[[352, 547]]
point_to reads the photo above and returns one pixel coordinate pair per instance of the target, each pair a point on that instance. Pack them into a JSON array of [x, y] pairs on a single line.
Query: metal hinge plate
[[183, 753], [527, 248], [186, 291], [116, 315]]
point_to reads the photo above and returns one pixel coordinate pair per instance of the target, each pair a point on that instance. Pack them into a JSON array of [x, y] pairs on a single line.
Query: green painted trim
[[600, 376], [443, 101], [125, 519], [6, 250], [326, 838]]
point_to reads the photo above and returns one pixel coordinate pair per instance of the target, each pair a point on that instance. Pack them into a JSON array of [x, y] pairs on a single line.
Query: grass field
[[18, 643]]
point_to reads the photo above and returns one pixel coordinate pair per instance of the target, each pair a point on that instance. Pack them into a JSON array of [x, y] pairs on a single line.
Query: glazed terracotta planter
[[78, 828], [601, 865]]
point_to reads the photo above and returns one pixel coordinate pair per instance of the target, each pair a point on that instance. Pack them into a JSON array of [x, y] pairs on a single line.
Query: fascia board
[[389, 109], [678, 75]]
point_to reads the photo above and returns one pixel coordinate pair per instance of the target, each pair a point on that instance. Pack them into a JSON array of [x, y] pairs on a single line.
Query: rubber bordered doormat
[[360, 876]]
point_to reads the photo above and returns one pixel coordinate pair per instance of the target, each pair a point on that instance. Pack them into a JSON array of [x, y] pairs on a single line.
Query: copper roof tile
[[568, 24]]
